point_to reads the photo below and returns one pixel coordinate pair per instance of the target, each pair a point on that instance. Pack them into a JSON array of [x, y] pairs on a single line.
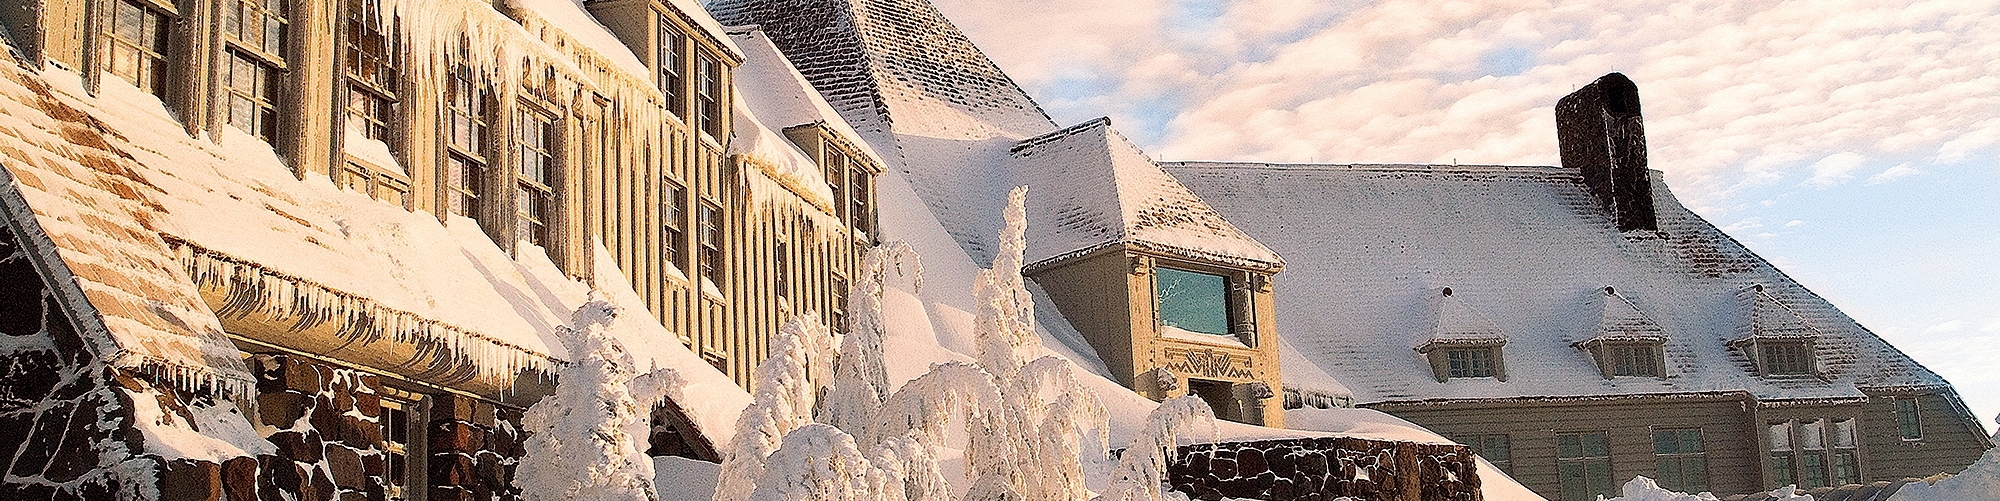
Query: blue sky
[[1855, 143]]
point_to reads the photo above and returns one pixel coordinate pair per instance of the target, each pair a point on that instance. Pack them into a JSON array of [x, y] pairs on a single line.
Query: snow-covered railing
[[294, 309]]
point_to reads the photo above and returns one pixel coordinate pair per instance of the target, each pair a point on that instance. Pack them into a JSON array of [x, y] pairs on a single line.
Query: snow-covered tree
[[782, 400], [817, 462], [588, 438], [860, 381], [1143, 468]]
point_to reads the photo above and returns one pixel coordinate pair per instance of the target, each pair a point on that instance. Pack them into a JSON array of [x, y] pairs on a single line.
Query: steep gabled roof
[[1090, 188], [1367, 244], [918, 91]]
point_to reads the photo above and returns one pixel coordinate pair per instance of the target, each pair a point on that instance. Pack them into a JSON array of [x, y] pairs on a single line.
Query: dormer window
[[1470, 362], [1197, 304], [1627, 357], [1784, 358]]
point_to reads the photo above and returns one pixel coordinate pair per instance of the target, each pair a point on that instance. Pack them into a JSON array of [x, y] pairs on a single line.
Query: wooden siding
[[1952, 438]]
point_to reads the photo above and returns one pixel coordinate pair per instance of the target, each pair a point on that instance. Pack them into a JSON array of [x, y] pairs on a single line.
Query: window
[[1584, 466], [137, 45], [465, 163], [838, 312], [859, 186], [708, 76], [1635, 360], [371, 72], [1681, 463], [1495, 448], [1191, 301], [399, 432], [781, 279], [836, 179], [1781, 460], [709, 230], [673, 209], [1784, 358], [1470, 362], [1907, 420], [671, 57], [534, 198], [1846, 468], [255, 33]]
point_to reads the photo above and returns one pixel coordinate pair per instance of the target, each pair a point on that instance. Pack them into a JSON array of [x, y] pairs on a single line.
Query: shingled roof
[[1090, 188], [1531, 250]]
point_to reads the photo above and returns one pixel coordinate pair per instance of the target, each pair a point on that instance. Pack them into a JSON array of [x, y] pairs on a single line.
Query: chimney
[[1602, 135]]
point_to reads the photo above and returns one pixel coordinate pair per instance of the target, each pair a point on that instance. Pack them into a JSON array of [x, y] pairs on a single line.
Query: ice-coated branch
[[1143, 468], [860, 381], [587, 439], [783, 401]]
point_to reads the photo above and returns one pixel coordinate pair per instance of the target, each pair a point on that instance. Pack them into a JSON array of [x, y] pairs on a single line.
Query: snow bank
[[1644, 489], [1361, 423], [1980, 482], [215, 433], [709, 398], [677, 478]]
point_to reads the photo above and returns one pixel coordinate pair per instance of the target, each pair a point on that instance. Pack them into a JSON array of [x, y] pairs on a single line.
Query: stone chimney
[[1602, 135]]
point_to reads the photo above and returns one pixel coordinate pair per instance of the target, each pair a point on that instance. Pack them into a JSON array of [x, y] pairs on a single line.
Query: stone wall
[[1321, 469], [59, 415]]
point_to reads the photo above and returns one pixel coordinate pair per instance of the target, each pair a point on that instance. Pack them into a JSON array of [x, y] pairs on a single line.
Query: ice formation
[[587, 440], [1980, 482]]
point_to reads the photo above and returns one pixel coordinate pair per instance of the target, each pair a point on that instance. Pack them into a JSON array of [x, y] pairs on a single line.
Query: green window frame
[[1681, 463], [1497, 449], [1469, 362], [1908, 422]]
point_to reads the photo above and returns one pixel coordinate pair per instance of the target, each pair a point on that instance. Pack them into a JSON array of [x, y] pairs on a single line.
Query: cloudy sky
[[1854, 143]]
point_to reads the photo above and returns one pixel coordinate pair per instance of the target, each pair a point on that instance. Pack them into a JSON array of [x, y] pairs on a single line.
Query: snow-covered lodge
[[325, 250]]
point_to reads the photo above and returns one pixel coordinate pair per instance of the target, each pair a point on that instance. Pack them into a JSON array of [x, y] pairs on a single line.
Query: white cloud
[[1834, 169], [1793, 223], [1945, 327], [1900, 171], [1736, 95], [1743, 226]]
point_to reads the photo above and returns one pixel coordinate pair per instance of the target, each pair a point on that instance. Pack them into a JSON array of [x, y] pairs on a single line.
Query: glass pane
[[1195, 302], [1569, 446], [1599, 472], [1690, 441], [1781, 470], [1593, 445], [1498, 448], [1573, 485], [1781, 436], [1669, 471], [1811, 434], [1694, 474], [1812, 471], [1665, 442]]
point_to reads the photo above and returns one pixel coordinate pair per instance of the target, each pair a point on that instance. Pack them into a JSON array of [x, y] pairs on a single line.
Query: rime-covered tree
[[587, 439], [860, 381], [1142, 469], [783, 399]]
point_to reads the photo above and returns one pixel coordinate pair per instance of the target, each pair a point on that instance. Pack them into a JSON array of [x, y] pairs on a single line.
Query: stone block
[[455, 436], [43, 441], [324, 416], [369, 403], [280, 409], [279, 479], [453, 407], [239, 479], [451, 469], [298, 374], [1250, 462], [318, 488], [305, 447], [1222, 468], [348, 472], [191, 480]]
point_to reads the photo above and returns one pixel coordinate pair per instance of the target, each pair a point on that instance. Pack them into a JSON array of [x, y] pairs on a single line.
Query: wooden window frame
[[1785, 358], [1675, 451], [401, 477], [1909, 418], [537, 170], [372, 74], [709, 227], [1467, 362], [673, 229], [139, 56], [1496, 448], [708, 96], [671, 57], [1579, 458], [468, 106]]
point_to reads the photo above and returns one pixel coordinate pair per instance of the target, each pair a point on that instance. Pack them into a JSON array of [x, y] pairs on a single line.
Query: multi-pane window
[[1782, 460], [1907, 421], [1639, 360], [466, 112], [534, 198], [1682, 464], [1497, 449], [858, 187], [1785, 358], [838, 312], [255, 32], [709, 230], [781, 265], [836, 179], [1846, 466], [1191, 301], [371, 71], [708, 98], [1583, 463], [137, 44], [673, 209], [671, 57], [1469, 362], [1812, 453], [398, 432]]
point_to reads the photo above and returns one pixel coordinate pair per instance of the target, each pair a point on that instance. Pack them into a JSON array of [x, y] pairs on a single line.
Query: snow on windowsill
[[374, 152], [710, 291], [1176, 333]]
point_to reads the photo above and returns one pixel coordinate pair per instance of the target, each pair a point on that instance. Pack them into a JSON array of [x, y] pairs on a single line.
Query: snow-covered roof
[[1456, 323], [1370, 246], [584, 28], [134, 205], [1090, 188], [780, 95], [1621, 320], [777, 157]]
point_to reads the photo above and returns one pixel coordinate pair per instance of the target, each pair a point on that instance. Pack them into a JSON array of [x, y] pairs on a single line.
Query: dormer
[[1776, 339], [1628, 343], [1463, 343]]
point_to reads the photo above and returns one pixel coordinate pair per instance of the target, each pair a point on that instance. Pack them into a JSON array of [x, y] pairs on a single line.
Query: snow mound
[[677, 478], [1980, 482], [1645, 489]]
